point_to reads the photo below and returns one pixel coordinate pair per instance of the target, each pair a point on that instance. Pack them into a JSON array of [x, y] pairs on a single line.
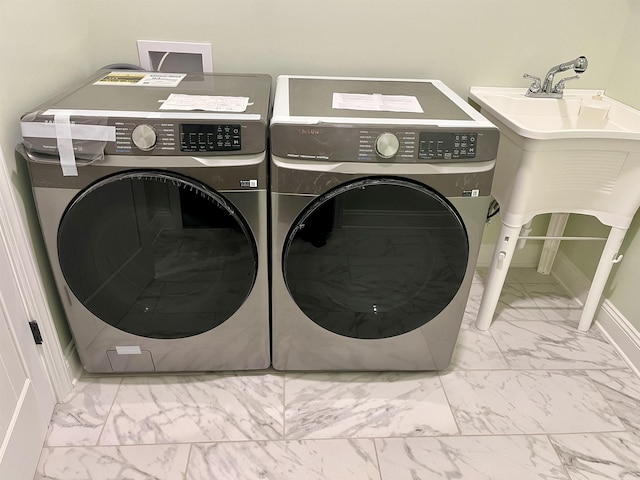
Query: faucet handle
[[536, 84], [559, 88]]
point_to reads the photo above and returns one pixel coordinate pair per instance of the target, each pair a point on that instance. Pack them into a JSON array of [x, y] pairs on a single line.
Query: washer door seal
[[375, 258], [157, 254]]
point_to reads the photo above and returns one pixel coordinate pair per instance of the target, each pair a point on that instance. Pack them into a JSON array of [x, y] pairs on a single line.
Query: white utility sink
[[576, 154], [579, 114]]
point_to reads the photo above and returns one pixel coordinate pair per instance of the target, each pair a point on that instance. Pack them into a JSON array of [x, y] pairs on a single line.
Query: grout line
[[375, 449], [106, 418], [604, 397], [186, 468], [453, 415], [330, 439], [565, 467], [284, 406]]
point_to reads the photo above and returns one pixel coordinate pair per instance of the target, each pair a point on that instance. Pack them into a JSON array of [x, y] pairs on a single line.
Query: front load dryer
[[379, 195], [151, 191]]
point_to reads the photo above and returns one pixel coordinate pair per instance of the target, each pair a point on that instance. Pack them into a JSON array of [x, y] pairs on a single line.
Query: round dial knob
[[387, 145], [144, 137]]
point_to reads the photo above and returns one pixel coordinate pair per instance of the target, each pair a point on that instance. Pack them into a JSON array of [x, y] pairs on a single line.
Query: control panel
[[385, 143], [174, 138], [415, 146]]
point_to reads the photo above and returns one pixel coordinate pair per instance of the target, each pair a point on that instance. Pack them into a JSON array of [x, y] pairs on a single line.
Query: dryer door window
[[156, 254], [375, 258]]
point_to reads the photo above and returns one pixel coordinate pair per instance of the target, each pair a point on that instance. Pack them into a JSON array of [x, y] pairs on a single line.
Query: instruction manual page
[[376, 102]]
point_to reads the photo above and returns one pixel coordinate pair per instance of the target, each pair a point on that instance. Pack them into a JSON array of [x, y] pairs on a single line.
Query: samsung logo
[[309, 131]]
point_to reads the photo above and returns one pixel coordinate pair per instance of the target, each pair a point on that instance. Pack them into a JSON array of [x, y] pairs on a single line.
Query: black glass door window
[[375, 258], [156, 254]]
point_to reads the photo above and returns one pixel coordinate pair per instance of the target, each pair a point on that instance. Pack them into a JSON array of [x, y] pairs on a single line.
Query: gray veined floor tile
[[529, 276], [527, 295], [621, 388], [196, 408], [516, 275], [139, 462], [602, 456], [530, 402], [473, 458], [285, 460], [352, 405], [554, 302], [514, 304], [550, 295], [476, 350], [79, 419], [553, 345]]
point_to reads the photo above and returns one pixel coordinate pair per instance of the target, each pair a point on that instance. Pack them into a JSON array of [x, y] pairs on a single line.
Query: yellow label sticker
[[122, 78]]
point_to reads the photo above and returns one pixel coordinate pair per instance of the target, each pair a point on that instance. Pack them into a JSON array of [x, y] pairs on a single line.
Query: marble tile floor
[[532, 398]]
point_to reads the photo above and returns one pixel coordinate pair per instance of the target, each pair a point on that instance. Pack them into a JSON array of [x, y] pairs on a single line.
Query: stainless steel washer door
[[375, 258], [156, 254]]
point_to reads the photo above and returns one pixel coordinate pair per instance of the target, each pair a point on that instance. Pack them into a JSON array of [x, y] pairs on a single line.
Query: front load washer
[[379, 195], [151, 191]]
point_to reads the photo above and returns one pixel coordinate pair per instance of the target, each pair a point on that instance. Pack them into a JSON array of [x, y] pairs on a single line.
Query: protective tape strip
[[78, 132], [161, 115], [65, 144]]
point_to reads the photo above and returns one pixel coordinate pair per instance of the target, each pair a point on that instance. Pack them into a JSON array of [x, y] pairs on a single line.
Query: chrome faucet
[[546, 89]]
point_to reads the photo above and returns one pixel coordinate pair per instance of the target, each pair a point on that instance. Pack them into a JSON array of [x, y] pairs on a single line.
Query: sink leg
[[608, 258], [502, 255]]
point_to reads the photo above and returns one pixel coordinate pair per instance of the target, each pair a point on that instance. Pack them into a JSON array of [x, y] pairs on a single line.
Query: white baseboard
[[613, 324], [524, 258], [622, 335]]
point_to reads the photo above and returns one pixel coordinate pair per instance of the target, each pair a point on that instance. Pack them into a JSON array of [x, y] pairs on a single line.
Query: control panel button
[[448, 146], [210, 137], [144, 137], [387, 145]]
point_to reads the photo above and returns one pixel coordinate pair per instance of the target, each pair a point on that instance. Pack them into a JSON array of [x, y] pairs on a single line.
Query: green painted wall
[[623, 85], [47, 44]]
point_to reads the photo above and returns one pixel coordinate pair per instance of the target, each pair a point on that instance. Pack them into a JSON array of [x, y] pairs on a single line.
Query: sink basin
[[576, 115], [563, 155]]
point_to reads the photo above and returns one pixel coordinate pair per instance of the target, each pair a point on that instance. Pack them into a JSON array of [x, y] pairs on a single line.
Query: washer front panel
[[375, 258], [156, 254]]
